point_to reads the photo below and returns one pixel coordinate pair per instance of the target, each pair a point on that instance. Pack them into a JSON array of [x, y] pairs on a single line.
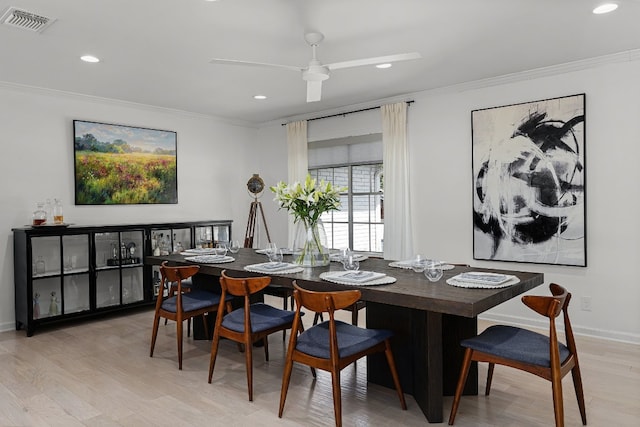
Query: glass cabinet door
[[45, 256], [75, 267], [45, 259], [119, 267], [107, 250], [107, 288]]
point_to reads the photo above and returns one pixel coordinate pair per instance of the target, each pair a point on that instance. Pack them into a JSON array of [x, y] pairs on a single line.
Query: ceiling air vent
[[19, 18]]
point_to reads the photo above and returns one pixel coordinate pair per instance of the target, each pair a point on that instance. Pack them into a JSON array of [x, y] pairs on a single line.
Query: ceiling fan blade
[[314, 90], [254, 64], [373, 61]]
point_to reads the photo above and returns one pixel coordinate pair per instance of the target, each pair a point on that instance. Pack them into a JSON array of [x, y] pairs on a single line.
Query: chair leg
[[577, 385], [286, 378], [354, 315], [487, 388], [205, 325], [154, 334], [285, 307], [558, 408], [337, 399], [464, 371], [214, 354], [394, 374], [179, 338], [249, 362], [265, 341]]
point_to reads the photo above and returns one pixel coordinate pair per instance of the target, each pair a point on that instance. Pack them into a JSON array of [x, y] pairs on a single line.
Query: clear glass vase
[[310, 244]]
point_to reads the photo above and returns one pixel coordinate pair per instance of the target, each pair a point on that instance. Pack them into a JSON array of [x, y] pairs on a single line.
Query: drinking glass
[[433, 270], [275, 255], [419, 264], [234, 247], [220, 249], [270, 249], [351, 264]]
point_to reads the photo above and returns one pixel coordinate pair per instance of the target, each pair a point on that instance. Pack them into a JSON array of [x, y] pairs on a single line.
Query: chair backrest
[[551, 307], [322, 302], [242, 286], [177, 273]]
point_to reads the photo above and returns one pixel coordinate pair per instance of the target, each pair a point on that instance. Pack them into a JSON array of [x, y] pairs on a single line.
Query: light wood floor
[[98, 373]]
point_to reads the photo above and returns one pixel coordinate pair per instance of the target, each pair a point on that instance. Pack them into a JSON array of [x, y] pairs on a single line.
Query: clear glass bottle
[[39, 215], [58, 217], [41, 267]]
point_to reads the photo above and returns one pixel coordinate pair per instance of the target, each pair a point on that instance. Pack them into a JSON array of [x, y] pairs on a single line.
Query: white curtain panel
[[298, 160], [398, 237]]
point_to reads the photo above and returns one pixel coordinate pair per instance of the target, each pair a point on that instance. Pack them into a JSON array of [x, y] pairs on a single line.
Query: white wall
[[440, 152], [215, 161]]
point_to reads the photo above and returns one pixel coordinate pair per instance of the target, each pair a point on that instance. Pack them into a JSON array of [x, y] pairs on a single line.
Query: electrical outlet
[[585, 303]]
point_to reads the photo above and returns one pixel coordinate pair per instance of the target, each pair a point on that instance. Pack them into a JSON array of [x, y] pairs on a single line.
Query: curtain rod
[[348, 112]]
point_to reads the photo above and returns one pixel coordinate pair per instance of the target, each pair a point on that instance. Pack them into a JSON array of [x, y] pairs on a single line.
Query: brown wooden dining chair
[[178, 305], [529, 351], [332, 345], [249, 324]]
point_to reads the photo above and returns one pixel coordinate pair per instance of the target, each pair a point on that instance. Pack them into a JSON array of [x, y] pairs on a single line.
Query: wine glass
[[234, 247], [433, 270]]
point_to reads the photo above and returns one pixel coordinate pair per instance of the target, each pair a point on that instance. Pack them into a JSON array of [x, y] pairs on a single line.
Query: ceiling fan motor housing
[[315, 72]]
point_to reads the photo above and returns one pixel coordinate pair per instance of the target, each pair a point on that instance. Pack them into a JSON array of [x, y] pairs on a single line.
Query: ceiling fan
[[316, 72]]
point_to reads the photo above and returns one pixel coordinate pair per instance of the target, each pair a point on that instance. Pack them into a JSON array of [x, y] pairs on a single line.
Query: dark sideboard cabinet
[[70, 272]]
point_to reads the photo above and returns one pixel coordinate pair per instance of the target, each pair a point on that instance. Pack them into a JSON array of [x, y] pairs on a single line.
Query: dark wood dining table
[[428, 318]]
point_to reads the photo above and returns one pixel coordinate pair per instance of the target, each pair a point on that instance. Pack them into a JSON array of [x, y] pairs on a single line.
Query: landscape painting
[[529, 182], [116, 164]]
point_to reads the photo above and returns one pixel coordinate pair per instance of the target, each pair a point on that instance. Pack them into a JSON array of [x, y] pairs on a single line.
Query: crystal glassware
[[433, 270], [234, 247]]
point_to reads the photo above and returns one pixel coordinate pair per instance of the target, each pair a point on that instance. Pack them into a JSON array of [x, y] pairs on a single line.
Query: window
[[359, 224]]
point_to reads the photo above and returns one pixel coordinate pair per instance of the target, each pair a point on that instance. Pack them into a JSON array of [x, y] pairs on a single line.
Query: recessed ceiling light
[[605, 8], [387, 65], [89, 58], [259, 97]]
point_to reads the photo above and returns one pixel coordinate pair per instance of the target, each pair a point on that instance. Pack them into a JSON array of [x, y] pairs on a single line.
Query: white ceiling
[[157, 52]]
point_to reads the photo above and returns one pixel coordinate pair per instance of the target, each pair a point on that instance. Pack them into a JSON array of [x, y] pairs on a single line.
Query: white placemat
[[408, 265], [482, 280], [374, 279], [202, 251], [356, 257], [210, 259], [271, 268]]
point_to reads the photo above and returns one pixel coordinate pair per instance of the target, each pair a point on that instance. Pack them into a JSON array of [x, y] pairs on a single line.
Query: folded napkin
[[357, 276], [483, 278], [209, 258], [273, 266], [203, 251]]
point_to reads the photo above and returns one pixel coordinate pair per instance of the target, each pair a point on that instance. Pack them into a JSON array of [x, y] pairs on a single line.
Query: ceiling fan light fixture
[[385, 65], [605, 8]]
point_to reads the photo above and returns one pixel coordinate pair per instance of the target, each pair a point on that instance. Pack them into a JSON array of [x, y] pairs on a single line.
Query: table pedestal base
[[427, 353]]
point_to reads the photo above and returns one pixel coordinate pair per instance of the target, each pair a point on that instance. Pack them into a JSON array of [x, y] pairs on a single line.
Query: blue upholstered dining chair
[[332, 345], [250, 323], [529, 351], [177, 304]]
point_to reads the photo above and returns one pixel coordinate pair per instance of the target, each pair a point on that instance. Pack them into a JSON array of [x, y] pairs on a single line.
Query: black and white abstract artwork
[[529, 182]]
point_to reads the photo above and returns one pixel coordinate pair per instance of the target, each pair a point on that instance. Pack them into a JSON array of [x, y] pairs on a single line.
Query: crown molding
[[536, 73], [36, 90]]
